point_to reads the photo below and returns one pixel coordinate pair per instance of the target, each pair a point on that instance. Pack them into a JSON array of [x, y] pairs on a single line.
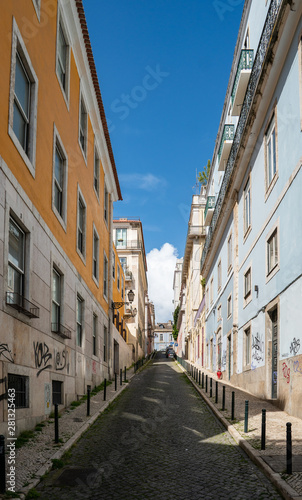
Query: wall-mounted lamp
[[256, 289], [118, 305]]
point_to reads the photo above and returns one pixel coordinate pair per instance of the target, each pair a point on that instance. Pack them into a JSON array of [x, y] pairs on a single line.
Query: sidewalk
[[34, 458], [272, 460]]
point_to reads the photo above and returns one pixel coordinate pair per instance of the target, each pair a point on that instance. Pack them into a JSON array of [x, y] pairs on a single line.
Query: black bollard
[[2, 465], [105, 387], [56, 423], [206, 383], [125, 374], [202, 380], [246, 417], [115, 381], [263, 426], [211, 391], [289, 455], [121, 376], [88, 401], [216, 392], [199, 377], [233, 405], [223, 398]]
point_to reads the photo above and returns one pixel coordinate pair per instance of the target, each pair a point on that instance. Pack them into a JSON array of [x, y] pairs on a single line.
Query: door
[[229, 356], [274, 325]]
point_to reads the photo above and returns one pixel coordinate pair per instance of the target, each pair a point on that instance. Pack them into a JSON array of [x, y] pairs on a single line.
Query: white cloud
[[161, 265], [146, 182]]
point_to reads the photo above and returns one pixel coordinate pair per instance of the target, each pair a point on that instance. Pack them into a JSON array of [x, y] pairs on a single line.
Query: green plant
[[175, 318], [33, 493], [75, 403], [24, 437], [57, 463], [11, 494], [204, 175]]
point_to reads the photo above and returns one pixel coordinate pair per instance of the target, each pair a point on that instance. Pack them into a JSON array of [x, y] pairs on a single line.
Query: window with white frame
[[247, 346], [94, 334], [161, 337], [219, 275], [63, 56], [16, 258], [271, 152], [113, 264], [272, 253], [80, 315], [106, 204], [123, 287], [118, 277], [83, 118], [230, 252], [105, 288], [95, 255], [121, 238], [23, 101], [229, 306], [219, 315], [59, 198], [56, 301], [247, 283], [123, 261], [81, 233], [96, 172], [247, 206]]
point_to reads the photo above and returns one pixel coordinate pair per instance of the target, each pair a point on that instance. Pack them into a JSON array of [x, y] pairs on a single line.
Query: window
[[21, 385], [105, 291], [81, 244], [229, 306], [207, 299], [83, 126], [123, 286], [23, 101], [230, 252], [219, 316], [16, 253], [80, 306], [247, 206], [271, 157], [272, 253], [161, 337], [59, 203], [105, 343], [95, 255], [219, 275], [57, 392], [121, 238], [37, 6], [219, 349], [113, 264], [247, 346], [247, 283], [106, 204], [118, 277], [96, 172], [56, 301], [211, 290], [63, 57], [123, 261], [94, 333]]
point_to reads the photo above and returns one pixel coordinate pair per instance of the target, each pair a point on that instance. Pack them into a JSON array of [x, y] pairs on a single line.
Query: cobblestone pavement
[[158, 440]]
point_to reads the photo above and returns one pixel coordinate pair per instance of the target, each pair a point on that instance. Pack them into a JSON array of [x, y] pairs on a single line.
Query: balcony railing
[[61, 330], [241, 80], [129, 245], [194, 231], [210, 205], [23, 305], [260, 61], [128, 275], [225, 146]]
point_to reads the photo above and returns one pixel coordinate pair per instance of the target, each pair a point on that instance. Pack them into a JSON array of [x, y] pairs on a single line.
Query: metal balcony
[[208, 213], [242, 79], [225, 146], [129, 245], [23, 305], [61, 330]]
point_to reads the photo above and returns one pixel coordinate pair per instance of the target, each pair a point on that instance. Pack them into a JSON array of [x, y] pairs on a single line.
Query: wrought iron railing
[[23, 305], [265, 40], [228, 135], [245, 62], [61, 330], [129, 245], [210, 204]]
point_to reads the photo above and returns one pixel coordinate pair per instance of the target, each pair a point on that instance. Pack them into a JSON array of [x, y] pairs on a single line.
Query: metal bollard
[[202, 380], [206, 383], [233, 405], [2, 464], [199, 377], [121, 376], [223, 398], [216, 392], [211, 383], [246, 417], [56, 423], [88, 401], [263, 429], [115, 381], [289, 455], [105, 387], [125, 374]]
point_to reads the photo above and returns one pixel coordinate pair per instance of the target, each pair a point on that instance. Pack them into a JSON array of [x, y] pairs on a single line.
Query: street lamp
[[118, 305]]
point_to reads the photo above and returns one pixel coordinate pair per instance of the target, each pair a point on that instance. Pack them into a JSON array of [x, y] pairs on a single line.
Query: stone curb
[[287, 491]]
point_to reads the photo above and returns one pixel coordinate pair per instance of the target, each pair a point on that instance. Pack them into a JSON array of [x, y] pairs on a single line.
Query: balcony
[[129, 245], [208, 213], [128, 275], [225, 146], [23, 305], [242, 79], [61, 330], [195, 231]]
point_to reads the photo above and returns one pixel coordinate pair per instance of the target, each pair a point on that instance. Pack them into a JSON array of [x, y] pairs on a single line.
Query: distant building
[[163, 335]]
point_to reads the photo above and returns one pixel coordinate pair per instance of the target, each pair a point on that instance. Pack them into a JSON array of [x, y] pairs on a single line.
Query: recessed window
[[230, 252], [21, 385], [106, 204], [59, 202], [80, 310], [229, 306], [96, 172], [23, 101], [219, 275], [219, 316], [123, 286], [95, 256], [16, 258], [94, 333], [56, 301], [105, 343], [113, 264], [247, 346], [57, 392], [247, 283], [247, 206], [272, 253], [105, 288], [63, 57], [271, 154], [121, 238], [123, 261], [83, 126], [211, 290], [118, 277], [81, 233]]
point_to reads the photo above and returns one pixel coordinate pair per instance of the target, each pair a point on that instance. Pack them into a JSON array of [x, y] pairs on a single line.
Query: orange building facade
[[58, 181]]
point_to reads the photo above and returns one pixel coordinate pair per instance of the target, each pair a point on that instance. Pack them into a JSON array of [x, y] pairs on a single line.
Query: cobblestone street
[[157, 440]]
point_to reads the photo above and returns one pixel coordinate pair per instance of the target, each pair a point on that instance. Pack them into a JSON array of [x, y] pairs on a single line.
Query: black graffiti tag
[[61, 360], [42, 356], [294, 346], [6, 352], [257, 348], [4, 395]]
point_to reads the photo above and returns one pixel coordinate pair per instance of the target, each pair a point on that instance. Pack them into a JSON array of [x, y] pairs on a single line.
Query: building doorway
[[273, 315]]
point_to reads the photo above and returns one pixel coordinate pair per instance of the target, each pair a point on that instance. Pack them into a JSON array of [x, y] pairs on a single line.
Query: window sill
[[272, 273], [21, 151], [247, 233], [271, 186]]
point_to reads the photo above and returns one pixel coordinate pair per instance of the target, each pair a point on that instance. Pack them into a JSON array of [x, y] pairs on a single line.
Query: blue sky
[[163, 67]]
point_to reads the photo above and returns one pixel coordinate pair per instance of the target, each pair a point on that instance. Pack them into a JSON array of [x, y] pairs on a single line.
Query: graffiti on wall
[[257, 348], [3, 382], [297, 368], [6, 353], [44, 358], [294, 346], [61, 360], [286, 372]]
